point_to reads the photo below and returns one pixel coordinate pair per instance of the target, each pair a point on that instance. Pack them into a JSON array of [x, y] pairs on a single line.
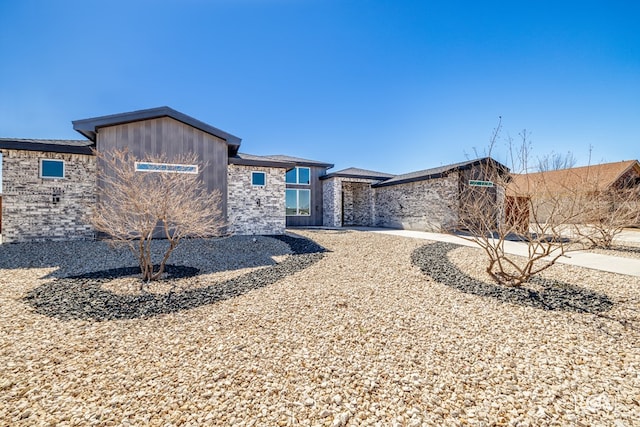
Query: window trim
[[298, 190], [297, 168], [263, 174], [64, 169]]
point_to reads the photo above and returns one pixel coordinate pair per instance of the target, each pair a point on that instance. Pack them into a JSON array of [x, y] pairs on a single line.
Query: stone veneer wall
[[430, 205], [29, 212], [359, 201], [252, 209]]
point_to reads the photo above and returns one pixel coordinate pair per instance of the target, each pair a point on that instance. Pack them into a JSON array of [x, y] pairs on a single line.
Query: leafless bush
[[504, 208], [606, 213], [135, 207]]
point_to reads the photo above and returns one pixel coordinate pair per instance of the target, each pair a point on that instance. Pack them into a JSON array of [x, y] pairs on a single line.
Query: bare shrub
[[135, 207], [606, 213], [494, 214]]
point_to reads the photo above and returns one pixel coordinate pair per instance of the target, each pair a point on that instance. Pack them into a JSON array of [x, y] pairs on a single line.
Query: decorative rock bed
[[355, 335]]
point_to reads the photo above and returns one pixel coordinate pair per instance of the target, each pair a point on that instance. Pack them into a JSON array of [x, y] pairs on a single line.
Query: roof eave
[[261, 163], [48, 148], [89, 127], [344, 175], [409, 180]]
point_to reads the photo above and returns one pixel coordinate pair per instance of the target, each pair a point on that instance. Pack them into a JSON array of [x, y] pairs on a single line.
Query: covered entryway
[[357, 204]]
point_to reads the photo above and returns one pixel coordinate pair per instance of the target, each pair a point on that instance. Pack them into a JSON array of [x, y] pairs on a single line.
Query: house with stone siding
[[48, 187]]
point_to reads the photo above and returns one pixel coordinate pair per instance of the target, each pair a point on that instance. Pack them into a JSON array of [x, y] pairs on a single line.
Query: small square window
[[51, 169], [258, 179]]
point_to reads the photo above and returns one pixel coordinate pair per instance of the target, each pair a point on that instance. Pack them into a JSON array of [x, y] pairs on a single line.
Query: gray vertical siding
[[315, 219], [171, 138]]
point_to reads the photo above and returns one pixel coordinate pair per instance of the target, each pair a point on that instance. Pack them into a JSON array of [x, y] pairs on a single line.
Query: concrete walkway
[[613, 264]]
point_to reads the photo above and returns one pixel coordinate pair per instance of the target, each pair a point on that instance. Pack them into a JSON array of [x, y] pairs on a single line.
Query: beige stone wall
[[430, 205], [252, 209], [37, 209]]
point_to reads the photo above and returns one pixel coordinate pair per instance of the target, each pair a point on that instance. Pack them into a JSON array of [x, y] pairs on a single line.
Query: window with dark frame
[[258, 179], [299, 175], [51, 169], [298, 202]]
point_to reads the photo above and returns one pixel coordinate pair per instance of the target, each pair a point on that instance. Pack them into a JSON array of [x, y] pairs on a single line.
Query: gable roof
[[89, 127], [358, 173], [264, 161], [300, 161], [439, 172], [593, 177], [48, 145]]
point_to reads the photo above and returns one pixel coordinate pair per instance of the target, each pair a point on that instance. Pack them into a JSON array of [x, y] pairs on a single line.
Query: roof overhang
[[261, 163], [90, 127], [45, 147], [353, 176]]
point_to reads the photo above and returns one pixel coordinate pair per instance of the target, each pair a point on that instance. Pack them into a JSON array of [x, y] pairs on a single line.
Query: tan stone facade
[[430, 205], [37, 209], [256, 209]]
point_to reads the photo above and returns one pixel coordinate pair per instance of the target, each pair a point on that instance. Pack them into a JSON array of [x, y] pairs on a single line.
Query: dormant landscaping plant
[[163, 200]]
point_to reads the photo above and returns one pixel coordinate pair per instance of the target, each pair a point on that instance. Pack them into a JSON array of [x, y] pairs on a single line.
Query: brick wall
[[429, 205], [30, 212], [252, 209]]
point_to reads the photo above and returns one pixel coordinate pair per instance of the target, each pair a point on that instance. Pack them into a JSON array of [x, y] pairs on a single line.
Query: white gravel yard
[[357, 335]]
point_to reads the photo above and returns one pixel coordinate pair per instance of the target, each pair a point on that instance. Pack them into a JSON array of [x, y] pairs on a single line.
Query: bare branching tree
[[502, 206], [556, 161], [606, 212], [134, 207]]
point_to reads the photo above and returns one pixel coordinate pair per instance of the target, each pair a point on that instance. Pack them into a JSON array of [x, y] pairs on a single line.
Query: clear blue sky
[[394, 86]]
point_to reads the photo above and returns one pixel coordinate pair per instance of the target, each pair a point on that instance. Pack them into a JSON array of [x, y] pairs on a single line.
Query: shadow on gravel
[[553, 295], [83, 297], [628, 249]]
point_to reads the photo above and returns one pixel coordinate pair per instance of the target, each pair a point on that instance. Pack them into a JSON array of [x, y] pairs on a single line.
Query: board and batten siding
[[315, 219], [171, 138]]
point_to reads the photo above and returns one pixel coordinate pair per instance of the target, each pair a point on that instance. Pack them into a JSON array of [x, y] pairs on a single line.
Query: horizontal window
[[165, 167], [258, 179], [299, 175], [51, 169], [298, 202]]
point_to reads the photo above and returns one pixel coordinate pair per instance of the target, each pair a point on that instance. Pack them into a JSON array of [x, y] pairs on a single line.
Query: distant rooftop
[[593, 177]]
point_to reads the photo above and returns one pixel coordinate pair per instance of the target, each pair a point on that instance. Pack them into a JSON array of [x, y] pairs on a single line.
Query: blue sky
[[394, 86]]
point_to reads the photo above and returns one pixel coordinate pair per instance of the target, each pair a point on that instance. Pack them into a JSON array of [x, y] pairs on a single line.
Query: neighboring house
[[544, 192], [48, 187]]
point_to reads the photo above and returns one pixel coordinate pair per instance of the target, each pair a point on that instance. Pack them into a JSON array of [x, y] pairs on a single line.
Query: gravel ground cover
[[373, 330], [624, 251]]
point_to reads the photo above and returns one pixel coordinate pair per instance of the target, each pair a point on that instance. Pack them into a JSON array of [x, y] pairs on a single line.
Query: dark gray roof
[[253, 160], [49, 145], [438, 172], [300, 161], [358, 173], [89, 127]]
